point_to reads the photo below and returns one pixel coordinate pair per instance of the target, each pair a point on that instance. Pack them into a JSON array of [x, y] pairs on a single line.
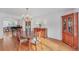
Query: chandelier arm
[[27, 11]]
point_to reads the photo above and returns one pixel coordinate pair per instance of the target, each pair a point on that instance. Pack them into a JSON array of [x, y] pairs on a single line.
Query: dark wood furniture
[[15, 30], [41, 32], [70, 29], [28, 26]]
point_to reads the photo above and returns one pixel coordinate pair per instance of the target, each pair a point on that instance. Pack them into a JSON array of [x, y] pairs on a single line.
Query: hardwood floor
[[9, 43]]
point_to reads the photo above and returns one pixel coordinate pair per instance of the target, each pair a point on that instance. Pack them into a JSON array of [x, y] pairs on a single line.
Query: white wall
[[54, 23]]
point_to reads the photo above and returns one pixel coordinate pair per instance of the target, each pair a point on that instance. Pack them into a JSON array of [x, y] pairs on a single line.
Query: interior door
[[68, 29]]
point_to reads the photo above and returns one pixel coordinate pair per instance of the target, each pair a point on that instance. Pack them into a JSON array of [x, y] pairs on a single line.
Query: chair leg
[[29, 47]]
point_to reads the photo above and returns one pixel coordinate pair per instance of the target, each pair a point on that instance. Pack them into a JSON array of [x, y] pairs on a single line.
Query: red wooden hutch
[[70, 29]]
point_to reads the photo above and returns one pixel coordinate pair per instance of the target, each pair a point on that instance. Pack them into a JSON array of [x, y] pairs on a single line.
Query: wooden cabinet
[[41, 32], [70, 29], [28, 26]]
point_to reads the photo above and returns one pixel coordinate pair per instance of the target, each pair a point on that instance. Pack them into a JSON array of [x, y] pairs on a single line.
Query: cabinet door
[[64, 29], [70, 29], [28, 28]]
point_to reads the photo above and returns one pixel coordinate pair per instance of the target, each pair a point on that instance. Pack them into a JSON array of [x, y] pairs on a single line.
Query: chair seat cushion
[[35, 40]]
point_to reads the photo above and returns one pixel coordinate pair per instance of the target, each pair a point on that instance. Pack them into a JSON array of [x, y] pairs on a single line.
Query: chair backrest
[[19, 33], [34, 37]]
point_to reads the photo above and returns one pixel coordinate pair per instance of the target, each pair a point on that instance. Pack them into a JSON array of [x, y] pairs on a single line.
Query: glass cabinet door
[[70, 24], [64, 25], [28, 28]]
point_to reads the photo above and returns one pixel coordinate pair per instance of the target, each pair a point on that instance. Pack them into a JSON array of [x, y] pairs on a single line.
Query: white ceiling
[[32, 11]]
